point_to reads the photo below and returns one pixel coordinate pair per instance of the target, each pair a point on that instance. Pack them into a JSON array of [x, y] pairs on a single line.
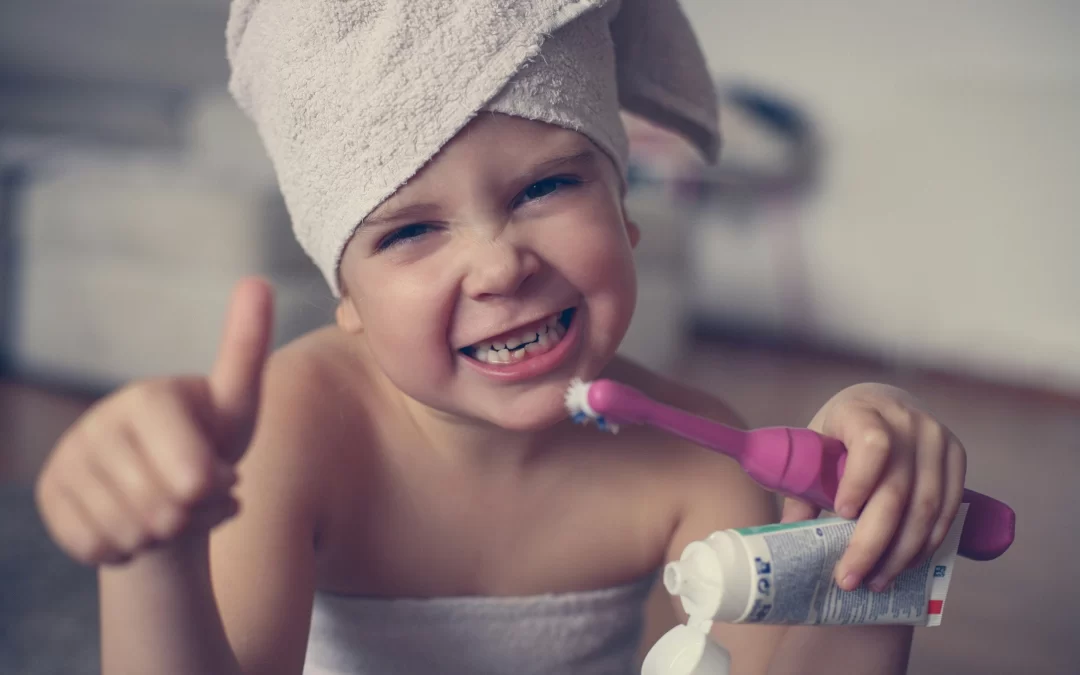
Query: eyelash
[[555, 182], [401, 235], [410, 232]]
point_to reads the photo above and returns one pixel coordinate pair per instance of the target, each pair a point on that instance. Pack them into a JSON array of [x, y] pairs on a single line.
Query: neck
[[477, 444], [463, 443], [468, 444]]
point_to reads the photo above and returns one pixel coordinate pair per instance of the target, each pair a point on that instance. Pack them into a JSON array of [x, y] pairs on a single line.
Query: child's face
[[513, 234]]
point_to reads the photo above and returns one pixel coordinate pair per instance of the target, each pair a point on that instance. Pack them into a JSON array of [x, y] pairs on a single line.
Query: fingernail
[[877, 585], [848, 511], [850, 582]]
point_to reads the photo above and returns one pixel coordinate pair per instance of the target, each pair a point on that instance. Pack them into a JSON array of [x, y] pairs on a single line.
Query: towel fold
[[353, 97]]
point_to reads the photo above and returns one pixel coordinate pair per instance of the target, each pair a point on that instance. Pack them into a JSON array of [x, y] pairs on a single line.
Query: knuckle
[[140, 491], [905, 418], [139, 488], [193, 480], [80, 441], [895, 494], [925, 509], [876, 441], [936, 436]]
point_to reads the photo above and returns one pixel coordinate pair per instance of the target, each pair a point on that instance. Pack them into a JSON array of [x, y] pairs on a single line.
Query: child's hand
[[904, 480], [155, 460]]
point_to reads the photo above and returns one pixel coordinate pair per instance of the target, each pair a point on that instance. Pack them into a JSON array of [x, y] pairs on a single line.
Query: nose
[[501, 268]]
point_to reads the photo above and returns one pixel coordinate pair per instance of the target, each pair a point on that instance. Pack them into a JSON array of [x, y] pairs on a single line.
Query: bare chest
[[594, 520]]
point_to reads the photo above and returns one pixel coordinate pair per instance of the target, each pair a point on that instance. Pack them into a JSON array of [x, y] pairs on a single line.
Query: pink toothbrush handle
[[804, 464], [798, 462]]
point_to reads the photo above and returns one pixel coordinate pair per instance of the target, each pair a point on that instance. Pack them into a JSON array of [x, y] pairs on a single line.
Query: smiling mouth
[[524, 343]]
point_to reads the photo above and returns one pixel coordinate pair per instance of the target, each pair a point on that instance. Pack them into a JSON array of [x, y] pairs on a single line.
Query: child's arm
[[167, 612], [720, 497], [716, 495], [137, 484]]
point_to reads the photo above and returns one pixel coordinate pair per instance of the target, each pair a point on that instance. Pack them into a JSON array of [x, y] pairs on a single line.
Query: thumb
[[796, 511], [236, 378]]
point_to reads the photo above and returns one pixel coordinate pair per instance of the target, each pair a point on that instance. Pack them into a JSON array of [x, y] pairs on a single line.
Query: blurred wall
[[947, 228], [143, 193], [944, 232]]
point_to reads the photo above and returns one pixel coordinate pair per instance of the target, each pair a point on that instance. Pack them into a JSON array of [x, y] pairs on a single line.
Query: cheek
[[595, 253], [405, 322], [596, 258]]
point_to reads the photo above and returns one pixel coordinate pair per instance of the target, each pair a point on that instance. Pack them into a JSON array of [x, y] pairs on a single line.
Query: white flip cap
[[687, 651]]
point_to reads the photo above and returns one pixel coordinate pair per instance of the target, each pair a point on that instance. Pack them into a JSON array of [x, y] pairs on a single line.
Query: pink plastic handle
[[813, 465]]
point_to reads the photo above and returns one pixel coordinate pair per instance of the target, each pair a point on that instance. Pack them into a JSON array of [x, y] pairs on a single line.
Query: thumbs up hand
[[155, 460]]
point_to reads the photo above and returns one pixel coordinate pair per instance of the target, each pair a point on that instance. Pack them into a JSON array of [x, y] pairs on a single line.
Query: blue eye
[[545, 187], [403, 235]]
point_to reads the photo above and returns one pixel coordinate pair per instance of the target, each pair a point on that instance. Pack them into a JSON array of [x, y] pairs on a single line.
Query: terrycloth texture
[[353, 97], [590, 633]]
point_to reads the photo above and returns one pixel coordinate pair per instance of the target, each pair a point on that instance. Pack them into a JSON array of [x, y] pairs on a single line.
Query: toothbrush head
[[577, 405]]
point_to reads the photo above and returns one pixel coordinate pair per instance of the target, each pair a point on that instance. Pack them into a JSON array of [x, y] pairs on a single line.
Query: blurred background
[[897, 202]]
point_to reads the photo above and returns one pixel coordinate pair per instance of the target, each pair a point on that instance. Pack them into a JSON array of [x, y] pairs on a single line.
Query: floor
[[1023, 447]]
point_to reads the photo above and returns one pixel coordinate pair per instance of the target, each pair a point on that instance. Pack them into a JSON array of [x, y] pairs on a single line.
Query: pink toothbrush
[[793, 461]]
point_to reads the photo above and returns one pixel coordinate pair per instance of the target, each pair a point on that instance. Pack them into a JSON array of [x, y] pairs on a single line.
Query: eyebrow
[[585, 155], [419, 210], [410, 212]]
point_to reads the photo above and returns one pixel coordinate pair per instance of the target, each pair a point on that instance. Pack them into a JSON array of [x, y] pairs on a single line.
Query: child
[[413, 496]]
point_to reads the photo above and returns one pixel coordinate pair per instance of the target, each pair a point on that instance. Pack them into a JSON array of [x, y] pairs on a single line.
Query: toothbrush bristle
[[576, 398], [577, 404]]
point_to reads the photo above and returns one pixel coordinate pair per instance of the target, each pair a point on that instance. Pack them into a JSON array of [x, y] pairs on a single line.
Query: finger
[[176, 448], [237, 374], [875, 529], [923, 508], [796, 510], [869, 443], [144, 491], [131, 474], [953, 494], [70, 526], [102, 505]]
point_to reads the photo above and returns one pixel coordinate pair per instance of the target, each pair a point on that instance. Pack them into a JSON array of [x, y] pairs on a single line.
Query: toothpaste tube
[[783, 574]]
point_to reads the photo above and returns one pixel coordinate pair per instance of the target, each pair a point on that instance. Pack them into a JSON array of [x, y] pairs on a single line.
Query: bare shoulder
[[264, 561], [669, 391], [710, 490], [313, 404]]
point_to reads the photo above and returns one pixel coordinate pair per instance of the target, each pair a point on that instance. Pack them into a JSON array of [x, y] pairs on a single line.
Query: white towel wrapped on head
[[353, 97]]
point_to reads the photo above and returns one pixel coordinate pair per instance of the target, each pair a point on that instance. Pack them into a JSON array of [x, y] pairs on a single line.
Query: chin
[[533, 424], [533, 413]]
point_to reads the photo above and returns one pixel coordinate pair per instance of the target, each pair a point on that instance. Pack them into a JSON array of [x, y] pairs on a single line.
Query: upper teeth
[[526, 343], [549, 326]]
